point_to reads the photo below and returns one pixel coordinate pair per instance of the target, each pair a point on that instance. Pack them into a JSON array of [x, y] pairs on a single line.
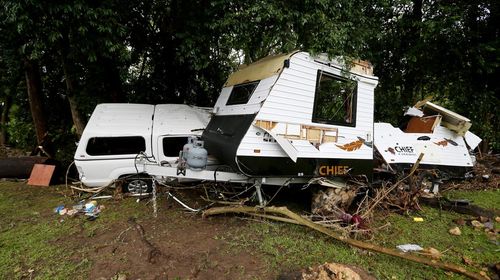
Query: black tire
[[138, 184]]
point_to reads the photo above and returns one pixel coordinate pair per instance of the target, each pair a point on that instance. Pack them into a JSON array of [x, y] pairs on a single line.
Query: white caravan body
[[117, 133], [299, 115], [286, 117], [285, 124]]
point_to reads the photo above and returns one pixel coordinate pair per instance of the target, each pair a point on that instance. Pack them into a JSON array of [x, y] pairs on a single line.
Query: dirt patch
[[189, 247]]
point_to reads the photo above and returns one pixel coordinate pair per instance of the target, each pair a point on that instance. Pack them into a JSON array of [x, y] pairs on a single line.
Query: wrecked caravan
[[442, 136], [295, 115], [117, 133], [285, 119]]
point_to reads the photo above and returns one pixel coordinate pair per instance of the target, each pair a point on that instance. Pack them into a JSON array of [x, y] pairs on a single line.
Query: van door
[[169, 147]]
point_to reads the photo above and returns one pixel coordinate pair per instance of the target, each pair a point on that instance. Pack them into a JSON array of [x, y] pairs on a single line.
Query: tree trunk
[[3, 121], [414, 75], [73, 104], [20, 167], [34, 86]]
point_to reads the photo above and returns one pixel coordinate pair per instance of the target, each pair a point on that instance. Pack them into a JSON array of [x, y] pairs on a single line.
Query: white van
[[117, 133]]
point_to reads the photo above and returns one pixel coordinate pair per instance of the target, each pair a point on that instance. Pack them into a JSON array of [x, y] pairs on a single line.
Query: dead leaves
[[443, 143], [353, 146]]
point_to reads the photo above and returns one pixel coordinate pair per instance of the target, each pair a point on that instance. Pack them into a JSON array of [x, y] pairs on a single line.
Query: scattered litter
[[409, 248], [486, 177], [418, 219], [455, 231], [477, 224], [78, 207], [103, 197], [497, 219], [489, 225], [90, 209], [483, 219], [58, 209], [433, 253]]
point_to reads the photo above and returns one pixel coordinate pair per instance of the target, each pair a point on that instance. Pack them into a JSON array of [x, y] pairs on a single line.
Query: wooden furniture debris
[[423, 124], [41, 175]]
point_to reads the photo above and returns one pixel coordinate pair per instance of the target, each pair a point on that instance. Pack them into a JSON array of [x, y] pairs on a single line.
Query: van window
[[173, 145], [334, 100], [123, 145], [241, 93]]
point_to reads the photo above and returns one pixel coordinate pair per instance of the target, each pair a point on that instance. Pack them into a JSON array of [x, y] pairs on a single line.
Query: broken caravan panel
[[440, 134], [298, 116]]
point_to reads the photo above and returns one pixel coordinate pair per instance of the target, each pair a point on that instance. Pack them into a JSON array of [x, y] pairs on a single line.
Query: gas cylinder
[[197, 156], [187, 147]]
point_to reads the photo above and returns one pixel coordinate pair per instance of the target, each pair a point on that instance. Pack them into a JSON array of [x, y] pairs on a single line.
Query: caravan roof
[[139, 119], [274, 64], [180, 119], [120, 119]]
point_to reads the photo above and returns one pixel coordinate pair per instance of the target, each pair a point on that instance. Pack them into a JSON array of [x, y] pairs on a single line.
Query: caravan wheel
[[138, 186]]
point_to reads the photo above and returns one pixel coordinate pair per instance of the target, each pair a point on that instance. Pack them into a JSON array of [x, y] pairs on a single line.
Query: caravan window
[[123, 145], [173, 145], [335, 100], [241, 93]]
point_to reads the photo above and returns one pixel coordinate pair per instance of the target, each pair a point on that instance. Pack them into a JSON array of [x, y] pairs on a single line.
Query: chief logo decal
[[333, 170], [402, 150]]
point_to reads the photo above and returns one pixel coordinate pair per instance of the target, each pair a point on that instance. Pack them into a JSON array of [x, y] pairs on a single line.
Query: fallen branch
[[153, 251], [356, 243]]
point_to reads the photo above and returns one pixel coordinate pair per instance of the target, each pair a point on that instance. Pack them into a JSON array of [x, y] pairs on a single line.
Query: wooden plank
[[287, 147], [41, 174]]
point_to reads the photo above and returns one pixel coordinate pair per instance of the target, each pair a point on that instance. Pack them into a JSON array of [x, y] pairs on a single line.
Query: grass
[[36, 242], [291, 247], [30, 243], [484, 198]]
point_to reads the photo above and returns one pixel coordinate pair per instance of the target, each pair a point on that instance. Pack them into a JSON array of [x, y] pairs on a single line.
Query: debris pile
[[89, 209], [484, 176]]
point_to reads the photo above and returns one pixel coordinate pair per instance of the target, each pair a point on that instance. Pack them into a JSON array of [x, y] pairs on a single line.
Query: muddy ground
[[176, 244]]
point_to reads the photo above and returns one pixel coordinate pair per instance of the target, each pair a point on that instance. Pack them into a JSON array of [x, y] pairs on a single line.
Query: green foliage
[[447, 51], [182, 51], [20, 129]]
